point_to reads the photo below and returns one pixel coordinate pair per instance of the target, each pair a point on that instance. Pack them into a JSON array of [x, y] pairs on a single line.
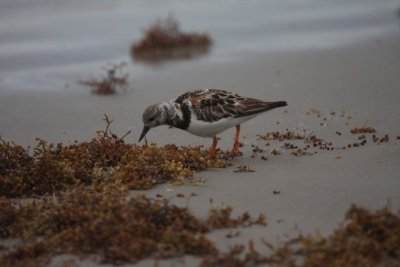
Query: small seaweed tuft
[[115, 79]]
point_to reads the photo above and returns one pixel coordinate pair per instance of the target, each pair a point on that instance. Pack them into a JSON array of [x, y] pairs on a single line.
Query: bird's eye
[[151, 119]]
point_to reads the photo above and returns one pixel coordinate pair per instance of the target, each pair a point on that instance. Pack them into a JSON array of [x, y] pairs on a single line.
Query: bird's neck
[[176, 115]]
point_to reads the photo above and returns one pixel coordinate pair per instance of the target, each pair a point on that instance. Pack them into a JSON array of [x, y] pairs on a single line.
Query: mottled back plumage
[[211, 105]]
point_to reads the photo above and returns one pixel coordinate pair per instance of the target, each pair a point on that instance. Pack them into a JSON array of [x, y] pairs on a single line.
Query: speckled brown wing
[[209, 105], [213, 104], [196, 95]]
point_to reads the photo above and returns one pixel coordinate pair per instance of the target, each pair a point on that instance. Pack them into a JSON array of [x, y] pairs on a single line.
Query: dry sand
[[361, 79]]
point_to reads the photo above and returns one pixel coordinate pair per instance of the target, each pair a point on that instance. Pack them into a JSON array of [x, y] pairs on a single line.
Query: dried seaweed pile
[[106, 159], [104, 222], [164, 39], [365, 239], [84, 206]]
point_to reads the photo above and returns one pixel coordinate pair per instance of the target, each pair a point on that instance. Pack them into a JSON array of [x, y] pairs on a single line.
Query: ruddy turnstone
[[206, 113]]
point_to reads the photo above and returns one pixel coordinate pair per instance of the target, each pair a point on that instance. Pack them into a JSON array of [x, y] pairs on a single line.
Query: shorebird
[[206, 113]]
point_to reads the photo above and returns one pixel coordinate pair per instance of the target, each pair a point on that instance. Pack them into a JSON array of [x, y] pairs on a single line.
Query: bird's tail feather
[[277, 104], [254, 106]]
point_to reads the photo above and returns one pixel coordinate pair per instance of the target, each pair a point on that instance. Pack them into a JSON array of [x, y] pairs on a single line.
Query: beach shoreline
[[359, 81]]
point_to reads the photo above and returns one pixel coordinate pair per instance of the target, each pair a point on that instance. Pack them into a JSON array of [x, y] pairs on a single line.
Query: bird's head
[[153, 116]]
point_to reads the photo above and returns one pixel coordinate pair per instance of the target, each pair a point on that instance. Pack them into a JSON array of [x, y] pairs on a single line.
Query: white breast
[[210, 129]]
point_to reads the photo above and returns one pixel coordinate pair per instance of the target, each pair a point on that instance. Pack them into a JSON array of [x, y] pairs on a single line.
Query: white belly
[[210, 129]]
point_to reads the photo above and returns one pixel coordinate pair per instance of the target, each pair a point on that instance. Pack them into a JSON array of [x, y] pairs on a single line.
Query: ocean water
[[51, 44]]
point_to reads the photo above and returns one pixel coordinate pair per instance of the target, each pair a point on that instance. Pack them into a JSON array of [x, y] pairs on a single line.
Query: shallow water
[[49, 45]]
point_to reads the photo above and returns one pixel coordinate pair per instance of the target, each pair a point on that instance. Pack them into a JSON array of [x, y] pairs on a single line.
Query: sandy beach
[[349, 85]]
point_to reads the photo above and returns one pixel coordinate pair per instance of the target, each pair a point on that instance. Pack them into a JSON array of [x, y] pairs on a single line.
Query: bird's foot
[[235, 150]]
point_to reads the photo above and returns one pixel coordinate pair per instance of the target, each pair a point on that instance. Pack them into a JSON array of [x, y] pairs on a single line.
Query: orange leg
[[213, 147], [235, 148]]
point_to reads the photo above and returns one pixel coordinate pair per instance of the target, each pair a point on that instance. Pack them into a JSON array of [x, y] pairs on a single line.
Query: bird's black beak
[[144, 132]]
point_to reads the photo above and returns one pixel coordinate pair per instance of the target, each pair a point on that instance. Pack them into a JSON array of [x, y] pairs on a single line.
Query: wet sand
[[361, 79]]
